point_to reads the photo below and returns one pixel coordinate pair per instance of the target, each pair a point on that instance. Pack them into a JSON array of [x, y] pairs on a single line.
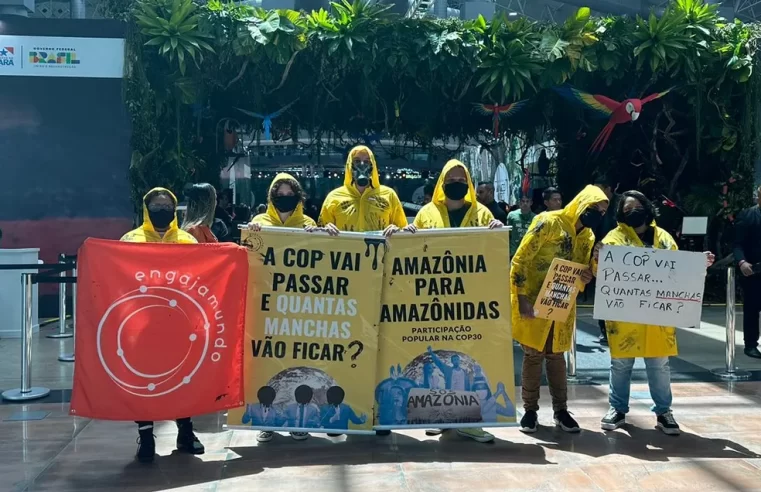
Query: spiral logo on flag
[[155, 339]]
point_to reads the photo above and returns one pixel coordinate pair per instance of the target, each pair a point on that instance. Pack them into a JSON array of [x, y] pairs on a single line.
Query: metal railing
[[62, 315], [26, 391], [72, 261], [571, 375], [730, 372]]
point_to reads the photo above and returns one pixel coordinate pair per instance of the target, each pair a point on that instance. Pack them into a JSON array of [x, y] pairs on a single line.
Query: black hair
[[548, 192], [646, 204], [226, 193], [486, 183], [335, 395], [604, 181], [428, 189], [303, 394], [266, 395]]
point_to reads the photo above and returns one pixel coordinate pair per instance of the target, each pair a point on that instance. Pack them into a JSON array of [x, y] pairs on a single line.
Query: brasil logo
[[58, 56]]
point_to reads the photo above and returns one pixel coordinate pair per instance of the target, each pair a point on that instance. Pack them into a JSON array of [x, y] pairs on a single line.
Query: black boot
[[187, 442], [146, 444]]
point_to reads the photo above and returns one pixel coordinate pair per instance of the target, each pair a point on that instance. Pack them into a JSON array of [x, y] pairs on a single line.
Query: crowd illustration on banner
[[336, 328]]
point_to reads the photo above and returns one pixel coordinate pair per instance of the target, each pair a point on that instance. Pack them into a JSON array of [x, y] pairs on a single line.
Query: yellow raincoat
[[147, 234], [550, 235], [271, 218], [374, 210], [627, 340], [434, 215]]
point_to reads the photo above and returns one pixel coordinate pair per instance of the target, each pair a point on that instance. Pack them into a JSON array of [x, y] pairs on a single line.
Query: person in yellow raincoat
[[454, 204], [285, 206], [362, 204], [655, 344], [160, 226], [566, 234]]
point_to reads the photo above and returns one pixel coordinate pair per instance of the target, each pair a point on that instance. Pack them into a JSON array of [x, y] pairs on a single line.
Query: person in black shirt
[[427, 193], [485, 194], [747, 252]]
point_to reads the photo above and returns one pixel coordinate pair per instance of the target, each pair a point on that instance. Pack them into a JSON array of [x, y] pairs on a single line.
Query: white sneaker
[[478, 435], [300, 436], [265, 436]]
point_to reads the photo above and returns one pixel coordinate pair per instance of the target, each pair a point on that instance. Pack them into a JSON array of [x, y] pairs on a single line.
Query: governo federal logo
[[177, 311]]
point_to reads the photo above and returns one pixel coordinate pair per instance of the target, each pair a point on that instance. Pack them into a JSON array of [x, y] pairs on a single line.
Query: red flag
[[159, 330]]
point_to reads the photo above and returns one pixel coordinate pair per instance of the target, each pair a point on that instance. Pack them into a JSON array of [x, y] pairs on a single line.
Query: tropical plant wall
[[358, 70]]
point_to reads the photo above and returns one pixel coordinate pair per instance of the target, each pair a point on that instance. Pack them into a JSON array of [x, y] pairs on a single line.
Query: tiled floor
[[720, 448], [717, 451]]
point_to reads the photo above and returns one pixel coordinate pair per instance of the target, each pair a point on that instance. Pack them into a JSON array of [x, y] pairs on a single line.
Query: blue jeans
[[658, 379]]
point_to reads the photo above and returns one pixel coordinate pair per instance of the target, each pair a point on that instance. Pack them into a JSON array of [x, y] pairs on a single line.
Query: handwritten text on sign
[[559, 291], [650, 286]]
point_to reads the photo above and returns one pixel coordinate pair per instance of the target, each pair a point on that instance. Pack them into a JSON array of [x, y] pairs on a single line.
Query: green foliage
[[356, 68], [172, 27]]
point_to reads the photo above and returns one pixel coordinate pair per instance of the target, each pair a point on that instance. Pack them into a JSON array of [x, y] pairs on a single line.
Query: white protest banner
[[650, 286]]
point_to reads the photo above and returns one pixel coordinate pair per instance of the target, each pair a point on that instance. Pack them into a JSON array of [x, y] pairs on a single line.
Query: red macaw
[[496, 111], [526, 183], [617, 112]]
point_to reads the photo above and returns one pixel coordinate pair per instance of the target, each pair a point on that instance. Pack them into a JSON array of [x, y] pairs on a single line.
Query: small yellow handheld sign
[[559, 290]]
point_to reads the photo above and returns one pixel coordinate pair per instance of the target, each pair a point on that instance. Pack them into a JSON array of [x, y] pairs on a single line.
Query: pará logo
[[7, 55]]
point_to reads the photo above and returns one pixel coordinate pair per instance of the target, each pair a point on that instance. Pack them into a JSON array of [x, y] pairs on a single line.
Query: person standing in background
[[202, 202], [160, 226], [553, 200], [607, 224], [747, 253], [519, 220], [427, 193], [485, 194]]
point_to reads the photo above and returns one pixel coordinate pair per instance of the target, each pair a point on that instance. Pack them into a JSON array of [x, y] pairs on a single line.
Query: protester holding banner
[[202, 203], [160, 226], [285, 206], [565, 234], [655, 344], [362, 204], [455, 204]]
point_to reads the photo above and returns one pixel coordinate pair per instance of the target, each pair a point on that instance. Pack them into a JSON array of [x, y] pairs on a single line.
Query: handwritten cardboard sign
[[650, 286], [559, 291]]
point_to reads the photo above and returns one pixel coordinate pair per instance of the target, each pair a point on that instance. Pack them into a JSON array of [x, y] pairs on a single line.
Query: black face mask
[[285, 203], [637, 217], [591, 218], [161, 218], [456, 190]]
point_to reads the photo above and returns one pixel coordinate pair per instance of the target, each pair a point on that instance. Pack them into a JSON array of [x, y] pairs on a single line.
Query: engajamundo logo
[[158, 289]]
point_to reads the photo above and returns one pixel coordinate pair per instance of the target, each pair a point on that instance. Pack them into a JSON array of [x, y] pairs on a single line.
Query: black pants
[[143, 423], [751, 287], [601, 324]]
